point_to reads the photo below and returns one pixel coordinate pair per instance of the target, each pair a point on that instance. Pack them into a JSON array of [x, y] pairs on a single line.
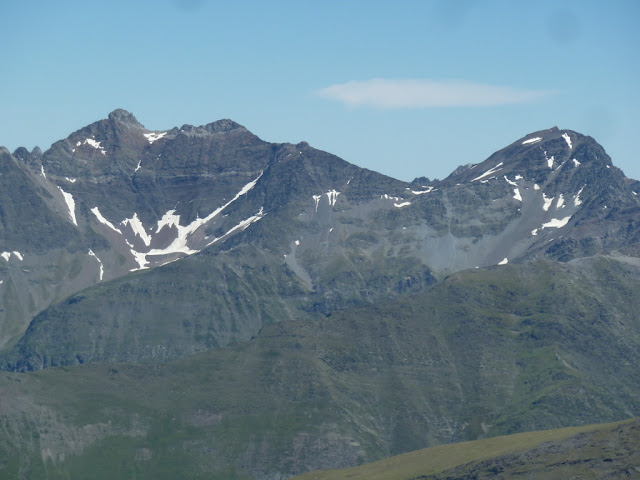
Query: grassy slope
[[485, 353], [467, 459]]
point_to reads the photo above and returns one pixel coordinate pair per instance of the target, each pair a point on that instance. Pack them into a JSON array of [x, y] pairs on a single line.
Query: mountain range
[[216, 305]]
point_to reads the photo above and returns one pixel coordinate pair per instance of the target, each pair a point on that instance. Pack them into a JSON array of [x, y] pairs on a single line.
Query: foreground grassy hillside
[[593, 451], [486, 352]]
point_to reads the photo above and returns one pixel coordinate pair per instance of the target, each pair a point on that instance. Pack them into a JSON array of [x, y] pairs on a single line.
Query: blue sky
[[407, 88]]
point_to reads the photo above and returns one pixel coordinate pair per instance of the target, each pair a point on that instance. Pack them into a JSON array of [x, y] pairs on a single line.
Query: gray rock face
[[248, 233]]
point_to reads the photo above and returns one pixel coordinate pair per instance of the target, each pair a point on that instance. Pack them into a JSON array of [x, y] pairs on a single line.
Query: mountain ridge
[[174, 302], [138, 199]]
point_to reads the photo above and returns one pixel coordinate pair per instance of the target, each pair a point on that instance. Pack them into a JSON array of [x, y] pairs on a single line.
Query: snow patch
[[179, 244], [504, 261], [549, 160], [71, 205], [316, 199], [576, 163], [169, 219], [141, 260], [94, 144], [6, 256], [153, 136], [297, 242], [536, 187], [516, 194], [421, 192], [332, 195], [556, 223], [491, 171], [99, 261], [138, 228], [567, 139], [389, 197], [534, 231], [547, 202], [560, 203], [103, 220], [243, 225], [403, 204], [532, 140], [42, 171], [137, 166], [510, 182], [576, 200], [167, 262], [70, 180], [519, 177]]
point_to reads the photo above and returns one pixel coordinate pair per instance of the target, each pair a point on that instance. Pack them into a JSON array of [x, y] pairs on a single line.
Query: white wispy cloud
[[416, 93]]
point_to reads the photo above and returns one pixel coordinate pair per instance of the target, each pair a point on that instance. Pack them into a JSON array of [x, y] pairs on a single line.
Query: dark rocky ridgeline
[[252, 233]]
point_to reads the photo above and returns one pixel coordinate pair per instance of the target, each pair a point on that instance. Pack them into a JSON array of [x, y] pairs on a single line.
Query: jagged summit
[[122, 116], [217, 127]]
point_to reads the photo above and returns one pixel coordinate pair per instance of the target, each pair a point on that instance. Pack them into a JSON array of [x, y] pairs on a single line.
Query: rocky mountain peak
[[540, 156], [123, 117], [420, 180], [223, 126], [20, 152], [32, 159]]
